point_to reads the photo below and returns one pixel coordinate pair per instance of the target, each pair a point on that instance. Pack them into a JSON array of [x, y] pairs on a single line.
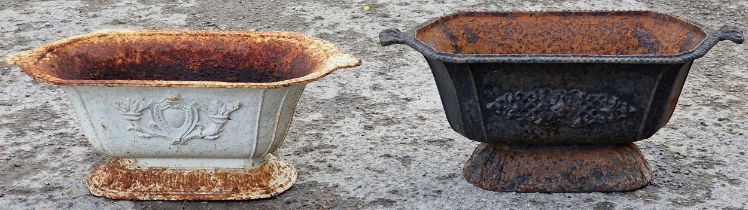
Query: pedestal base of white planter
[[117, 179]]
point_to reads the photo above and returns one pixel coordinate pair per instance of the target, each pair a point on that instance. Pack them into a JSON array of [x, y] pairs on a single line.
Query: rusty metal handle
[[732, 33], [391, 36]]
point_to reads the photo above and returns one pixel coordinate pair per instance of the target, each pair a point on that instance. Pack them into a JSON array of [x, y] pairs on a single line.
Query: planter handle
[[392, 36], [17, 58], [343, 60], [727, 32]]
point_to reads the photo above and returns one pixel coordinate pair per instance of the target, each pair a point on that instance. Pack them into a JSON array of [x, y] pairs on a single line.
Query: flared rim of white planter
[[44, 64]]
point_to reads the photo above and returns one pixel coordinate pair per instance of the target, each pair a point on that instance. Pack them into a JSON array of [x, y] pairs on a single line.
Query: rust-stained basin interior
[[562, 33], [131, 56]]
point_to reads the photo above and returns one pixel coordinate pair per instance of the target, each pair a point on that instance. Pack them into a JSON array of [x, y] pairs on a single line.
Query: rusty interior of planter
[[180, 57], [562, 33]]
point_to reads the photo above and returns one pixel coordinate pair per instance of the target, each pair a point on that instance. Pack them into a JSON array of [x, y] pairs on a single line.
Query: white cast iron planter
[[185, 115]]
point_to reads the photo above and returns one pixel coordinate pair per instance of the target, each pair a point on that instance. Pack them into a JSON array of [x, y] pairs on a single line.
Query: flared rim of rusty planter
[[710, 38], [42, 63]]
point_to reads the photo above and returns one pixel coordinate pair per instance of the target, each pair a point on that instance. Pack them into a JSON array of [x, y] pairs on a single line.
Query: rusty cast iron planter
[[558, 98], [185, 115]]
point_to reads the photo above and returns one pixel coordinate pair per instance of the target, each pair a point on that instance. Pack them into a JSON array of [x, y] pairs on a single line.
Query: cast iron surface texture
[[559, 77], [558, 103], [558, 168]]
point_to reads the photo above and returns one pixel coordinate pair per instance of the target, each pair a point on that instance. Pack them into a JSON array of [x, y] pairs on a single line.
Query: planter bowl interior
[[561, 33], [184, 58]]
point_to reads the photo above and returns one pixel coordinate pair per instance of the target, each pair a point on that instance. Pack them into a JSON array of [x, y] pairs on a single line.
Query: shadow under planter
[[186, 115], [558, 98]]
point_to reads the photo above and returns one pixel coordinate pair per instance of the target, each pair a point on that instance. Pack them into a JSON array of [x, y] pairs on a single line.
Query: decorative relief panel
[[559, 107], [175, 119]]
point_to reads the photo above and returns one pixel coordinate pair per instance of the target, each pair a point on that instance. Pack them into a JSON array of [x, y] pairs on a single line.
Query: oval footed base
[[117, 179], [558, 168]]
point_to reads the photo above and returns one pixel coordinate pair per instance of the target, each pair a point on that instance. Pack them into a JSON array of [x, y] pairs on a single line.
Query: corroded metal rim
[[394, 36], [117, 179], [335, 59]]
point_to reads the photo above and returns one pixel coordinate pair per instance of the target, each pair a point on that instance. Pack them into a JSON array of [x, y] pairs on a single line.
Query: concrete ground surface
[[374, 136]]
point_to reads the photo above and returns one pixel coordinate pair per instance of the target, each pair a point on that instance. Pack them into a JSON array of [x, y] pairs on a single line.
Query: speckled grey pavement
[[374, 136]]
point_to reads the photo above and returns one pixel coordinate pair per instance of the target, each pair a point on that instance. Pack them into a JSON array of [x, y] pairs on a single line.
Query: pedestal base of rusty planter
[[558, 168], [118, 179]]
